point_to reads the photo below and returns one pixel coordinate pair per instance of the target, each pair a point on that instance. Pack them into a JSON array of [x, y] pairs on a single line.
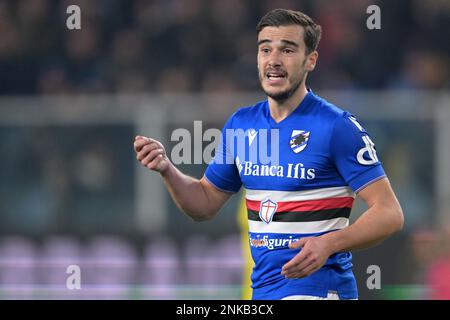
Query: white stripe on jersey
[[297, 227], [314, 194]]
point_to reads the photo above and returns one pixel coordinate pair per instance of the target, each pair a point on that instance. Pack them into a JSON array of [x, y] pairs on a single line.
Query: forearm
[[187, 193], [375, 225], [197, 198]]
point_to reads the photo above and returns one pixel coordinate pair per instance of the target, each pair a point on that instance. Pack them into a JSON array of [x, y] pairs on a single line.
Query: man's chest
[[291, 157]]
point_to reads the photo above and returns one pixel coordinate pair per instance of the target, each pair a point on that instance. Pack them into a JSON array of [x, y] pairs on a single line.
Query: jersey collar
[[301, 108]]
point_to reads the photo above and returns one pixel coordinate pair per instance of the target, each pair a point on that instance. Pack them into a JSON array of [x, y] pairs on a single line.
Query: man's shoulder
[[329, 110], [249, 112]]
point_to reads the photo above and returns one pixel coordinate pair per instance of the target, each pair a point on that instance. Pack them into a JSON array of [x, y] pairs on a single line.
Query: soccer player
[[299, 201]]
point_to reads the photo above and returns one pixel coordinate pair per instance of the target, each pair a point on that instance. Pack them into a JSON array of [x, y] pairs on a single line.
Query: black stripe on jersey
[[304, 216]]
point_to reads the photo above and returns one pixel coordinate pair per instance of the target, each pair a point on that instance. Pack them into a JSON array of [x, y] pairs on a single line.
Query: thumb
[[299, 243]]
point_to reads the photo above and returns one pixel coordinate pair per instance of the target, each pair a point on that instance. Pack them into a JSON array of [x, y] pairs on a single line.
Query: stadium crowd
[[202, 46]]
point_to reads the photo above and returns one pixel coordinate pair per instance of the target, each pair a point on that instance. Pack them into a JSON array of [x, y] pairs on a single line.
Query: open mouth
[[275, 75]]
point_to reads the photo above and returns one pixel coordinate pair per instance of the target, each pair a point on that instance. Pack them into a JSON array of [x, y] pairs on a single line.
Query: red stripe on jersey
[[309, 205]]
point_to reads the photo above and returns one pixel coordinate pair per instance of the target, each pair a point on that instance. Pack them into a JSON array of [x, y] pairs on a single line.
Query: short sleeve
[[354, 153], [222, 171]]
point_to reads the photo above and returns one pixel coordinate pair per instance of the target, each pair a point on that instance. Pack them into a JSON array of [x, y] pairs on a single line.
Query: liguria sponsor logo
[[271, 243]]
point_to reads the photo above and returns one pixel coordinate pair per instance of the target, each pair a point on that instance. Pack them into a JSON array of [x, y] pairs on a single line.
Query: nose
[[274, 60], [274, 64]]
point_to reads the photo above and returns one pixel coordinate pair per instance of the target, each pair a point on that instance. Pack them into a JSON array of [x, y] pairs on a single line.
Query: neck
[[279, 110]]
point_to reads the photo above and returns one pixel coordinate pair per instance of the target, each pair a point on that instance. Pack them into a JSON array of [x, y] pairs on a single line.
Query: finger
[[139, 143], [152, 155], [142, 142], [143, 138], [298, 267], [299, 258], [308, 270], [145, 150], [149, 147], [156, 163], [299, 243]]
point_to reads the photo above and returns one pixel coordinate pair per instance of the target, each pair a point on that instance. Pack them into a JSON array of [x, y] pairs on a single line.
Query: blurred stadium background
[[71, 103]]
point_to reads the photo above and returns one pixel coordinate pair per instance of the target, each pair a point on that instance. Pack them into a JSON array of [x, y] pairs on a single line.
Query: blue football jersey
[[300, 178]]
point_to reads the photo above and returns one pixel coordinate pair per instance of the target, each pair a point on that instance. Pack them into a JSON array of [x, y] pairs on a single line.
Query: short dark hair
[[284, 17]]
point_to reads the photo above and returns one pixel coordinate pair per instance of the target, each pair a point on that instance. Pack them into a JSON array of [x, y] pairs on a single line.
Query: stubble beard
[[286, 94]]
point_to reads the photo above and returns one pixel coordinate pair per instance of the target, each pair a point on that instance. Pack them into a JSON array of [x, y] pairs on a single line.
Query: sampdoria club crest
[[299, 139], [267, 210]]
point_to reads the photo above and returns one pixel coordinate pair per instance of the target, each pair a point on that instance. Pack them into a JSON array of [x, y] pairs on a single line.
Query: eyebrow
[[292, 43]]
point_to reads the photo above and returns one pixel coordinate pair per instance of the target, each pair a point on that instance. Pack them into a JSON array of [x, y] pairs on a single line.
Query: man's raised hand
[[151, 154]]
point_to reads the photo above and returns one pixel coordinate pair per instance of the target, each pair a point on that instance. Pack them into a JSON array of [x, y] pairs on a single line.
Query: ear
[[311, 61]]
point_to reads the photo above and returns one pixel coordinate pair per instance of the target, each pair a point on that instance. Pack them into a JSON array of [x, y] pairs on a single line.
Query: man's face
[[282, 62]]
